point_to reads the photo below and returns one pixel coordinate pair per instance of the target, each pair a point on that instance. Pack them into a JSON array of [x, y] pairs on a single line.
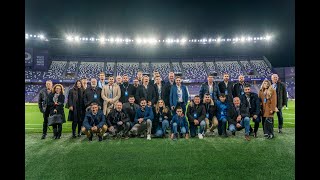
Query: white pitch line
[[288, 114], [33, 128]]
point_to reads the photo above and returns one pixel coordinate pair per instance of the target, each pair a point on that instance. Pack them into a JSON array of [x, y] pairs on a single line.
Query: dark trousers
[[193, 129], [222, 126], [268, 126], [280, 119], [45, 122], [182, 105], [57, 129], [256, 124], [74, 126]]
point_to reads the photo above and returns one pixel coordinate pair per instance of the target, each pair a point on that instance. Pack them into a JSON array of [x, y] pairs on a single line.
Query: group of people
[[149, 108]]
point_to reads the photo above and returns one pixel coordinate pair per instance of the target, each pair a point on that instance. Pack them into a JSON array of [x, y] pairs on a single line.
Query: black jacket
[[166, 95], [59, 107], [232, 113], [162, 93], [156, 120], [199, 110], [223, 88], [254, 102], [210, 108], [89, 95], [149, 96], [130, 112], [130, 91], [43, 100], [238, 89], [75, 99], [281, 95], [115, 116]]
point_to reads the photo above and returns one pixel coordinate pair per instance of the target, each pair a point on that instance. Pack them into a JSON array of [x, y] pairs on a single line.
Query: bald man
[[239, 117], [238, 88]]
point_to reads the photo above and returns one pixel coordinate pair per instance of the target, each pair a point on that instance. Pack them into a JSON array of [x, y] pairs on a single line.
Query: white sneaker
[[287, 108], [148, 137], [105, 134], [200, 136]]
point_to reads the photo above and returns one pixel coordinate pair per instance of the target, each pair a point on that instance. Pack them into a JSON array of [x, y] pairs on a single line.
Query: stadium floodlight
[[254, 38], [92, 39], [111, 40], [102, 40], [268, 37], [139, 40], [209, 40], [260, 38], [69, 38], [218, 40], [243, 39], [76, 38], [30, 35], [183, 40], [34, 35]]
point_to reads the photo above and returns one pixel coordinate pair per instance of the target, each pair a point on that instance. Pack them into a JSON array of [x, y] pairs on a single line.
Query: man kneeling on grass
[[94, 122], [238, 118], [179, 124], [143, 120], [118, 122]]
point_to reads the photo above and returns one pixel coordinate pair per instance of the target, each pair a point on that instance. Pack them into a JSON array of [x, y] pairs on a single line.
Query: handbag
[[55, 119]]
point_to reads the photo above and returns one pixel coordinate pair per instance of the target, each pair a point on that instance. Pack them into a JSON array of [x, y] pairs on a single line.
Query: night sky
[[195, 19]]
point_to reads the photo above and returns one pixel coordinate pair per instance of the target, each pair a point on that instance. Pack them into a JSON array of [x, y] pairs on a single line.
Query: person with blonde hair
[[268, 99], [162, 117], [55, 103]]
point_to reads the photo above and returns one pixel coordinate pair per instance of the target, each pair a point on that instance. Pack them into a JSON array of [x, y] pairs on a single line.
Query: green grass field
[[137, 158]]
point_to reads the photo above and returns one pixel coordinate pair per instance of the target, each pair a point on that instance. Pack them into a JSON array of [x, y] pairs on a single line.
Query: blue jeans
[[175, 129], [202, 126], [245, 123], [194, 128], [162, 131], [222, 126]]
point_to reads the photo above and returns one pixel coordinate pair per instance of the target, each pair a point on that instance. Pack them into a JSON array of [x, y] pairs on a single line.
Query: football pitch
[[136, 158]]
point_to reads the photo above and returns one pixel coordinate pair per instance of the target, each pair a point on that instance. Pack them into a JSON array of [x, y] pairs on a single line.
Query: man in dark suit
[[226, 87], [146, 90]]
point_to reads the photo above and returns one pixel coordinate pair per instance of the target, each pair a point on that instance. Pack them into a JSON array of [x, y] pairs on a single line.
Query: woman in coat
[[268, 99], [55, 104], [76, 105]]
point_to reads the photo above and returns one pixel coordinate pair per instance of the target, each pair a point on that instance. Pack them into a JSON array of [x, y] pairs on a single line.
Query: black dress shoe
[[100, 138], [280, 131], [234, 133], [90, 138], [43, 136], [74, 136], [79, 135]]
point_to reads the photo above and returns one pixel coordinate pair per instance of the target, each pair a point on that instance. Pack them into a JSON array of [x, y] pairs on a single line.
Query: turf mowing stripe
[[288, 114]]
